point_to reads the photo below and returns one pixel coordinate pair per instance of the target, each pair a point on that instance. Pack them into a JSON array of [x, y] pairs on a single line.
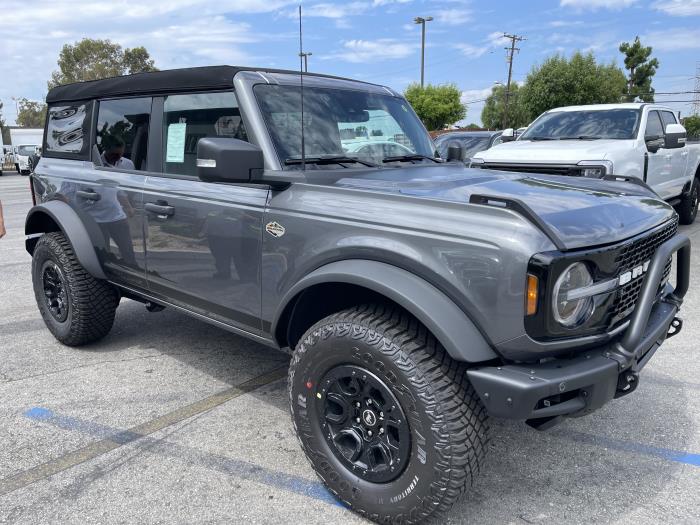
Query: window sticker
[[176, 142]]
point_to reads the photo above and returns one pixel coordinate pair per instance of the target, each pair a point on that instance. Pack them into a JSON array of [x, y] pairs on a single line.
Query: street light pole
[[420, 20], [306, 56]]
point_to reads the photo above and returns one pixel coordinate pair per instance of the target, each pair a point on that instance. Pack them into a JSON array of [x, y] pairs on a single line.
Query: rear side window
[[122, 133], [67, 127], [188, 118], [668, 118]]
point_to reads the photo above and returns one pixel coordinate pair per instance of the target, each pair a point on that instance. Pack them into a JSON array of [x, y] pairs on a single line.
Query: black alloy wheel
[[364, 424], [55, 292]]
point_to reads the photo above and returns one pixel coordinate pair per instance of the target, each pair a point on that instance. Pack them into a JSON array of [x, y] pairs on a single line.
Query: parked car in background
[[639, 140], [470, 141], [25, 142]]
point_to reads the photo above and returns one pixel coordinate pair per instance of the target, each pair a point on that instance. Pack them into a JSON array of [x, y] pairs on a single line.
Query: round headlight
[[572, 312]]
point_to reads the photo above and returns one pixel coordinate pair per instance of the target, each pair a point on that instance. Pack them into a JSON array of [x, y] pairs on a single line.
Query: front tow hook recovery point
[[675, 327], [626, 383]]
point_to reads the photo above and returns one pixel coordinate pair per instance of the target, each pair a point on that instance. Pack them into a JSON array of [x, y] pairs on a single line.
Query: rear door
[[203, 239], [660, 162]]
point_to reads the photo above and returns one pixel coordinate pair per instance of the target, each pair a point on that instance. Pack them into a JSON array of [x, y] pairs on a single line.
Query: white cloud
[[492, 42], [358, 51], [582, 5], [453, 17], [679, 7], [565, 23], [672, 39], [341, 9]]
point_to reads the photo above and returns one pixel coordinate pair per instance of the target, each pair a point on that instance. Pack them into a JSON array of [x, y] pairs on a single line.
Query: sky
[[372, 40]]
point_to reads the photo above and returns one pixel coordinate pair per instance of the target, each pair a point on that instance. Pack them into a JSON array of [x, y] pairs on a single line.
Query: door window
[[122, 133], [188, 118], [654, 127]]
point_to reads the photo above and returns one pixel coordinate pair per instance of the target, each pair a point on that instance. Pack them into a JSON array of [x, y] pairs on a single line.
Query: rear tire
[[381, 353], [688, 207], [77, 308]]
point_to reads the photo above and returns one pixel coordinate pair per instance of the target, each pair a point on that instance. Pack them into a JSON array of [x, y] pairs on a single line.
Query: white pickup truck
[[631, 140]]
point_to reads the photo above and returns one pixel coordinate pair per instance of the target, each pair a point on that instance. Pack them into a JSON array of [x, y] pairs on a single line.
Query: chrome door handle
[[89, 195], [160, 209]]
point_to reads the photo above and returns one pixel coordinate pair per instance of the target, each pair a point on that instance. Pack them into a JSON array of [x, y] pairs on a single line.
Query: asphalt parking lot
[[170, 420]]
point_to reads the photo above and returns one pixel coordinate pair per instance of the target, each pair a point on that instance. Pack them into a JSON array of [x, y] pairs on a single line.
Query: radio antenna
[[301, 82]]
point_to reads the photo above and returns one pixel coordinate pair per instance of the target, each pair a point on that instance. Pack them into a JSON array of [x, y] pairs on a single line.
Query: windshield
[[26, 150], [340, 123], [584, 125], [471, 145]]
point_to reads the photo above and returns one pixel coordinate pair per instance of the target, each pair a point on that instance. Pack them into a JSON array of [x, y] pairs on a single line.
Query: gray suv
[[310, 213]]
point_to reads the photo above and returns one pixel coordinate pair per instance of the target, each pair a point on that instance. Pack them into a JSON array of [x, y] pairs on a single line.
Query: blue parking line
[[233, 467], [630, 446]]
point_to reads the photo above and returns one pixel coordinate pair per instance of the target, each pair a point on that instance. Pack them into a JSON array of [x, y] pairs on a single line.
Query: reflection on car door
[[203, 239], [679, 158]]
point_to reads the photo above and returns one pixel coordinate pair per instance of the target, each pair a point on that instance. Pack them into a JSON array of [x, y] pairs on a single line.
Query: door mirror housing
[[455, 152], [675, 136], [508, 135], [221, 159], [654, 143]]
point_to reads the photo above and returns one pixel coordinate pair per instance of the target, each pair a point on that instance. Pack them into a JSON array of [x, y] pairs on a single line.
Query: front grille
[[545, 169], [633, 255]]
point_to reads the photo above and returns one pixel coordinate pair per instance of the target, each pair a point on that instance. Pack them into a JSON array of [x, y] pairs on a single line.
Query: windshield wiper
[[411, 156], [539, 138], [581, 137], [329, 159]]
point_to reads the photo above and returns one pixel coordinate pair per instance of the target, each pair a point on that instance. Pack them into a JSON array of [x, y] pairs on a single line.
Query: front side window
[[188, 118], [122, 133], [654, 127], [340, 122], [584, 125], [668, 118], [66, 128], [471, 145]]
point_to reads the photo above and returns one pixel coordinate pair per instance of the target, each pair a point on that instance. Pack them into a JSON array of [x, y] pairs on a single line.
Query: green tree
[[492, 114], [437, 106], [91, 59], [4, 129], [692, 126], [31, 114], [641, 70], [566, 82]]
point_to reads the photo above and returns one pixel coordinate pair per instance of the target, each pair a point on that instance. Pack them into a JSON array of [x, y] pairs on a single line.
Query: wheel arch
[[57, 216], [342, 284]]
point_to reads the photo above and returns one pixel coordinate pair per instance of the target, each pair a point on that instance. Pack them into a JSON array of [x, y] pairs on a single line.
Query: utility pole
[[510, 51], [420, 20], [696, 95], [306, 56]]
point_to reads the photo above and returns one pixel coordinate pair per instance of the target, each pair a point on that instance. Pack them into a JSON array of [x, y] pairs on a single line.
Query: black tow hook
[[627, 383], [153, 307], [675, 327]]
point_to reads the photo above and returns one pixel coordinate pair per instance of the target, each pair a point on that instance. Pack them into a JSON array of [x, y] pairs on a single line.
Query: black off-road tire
[[688, 207], [91, 303], [447, 422]]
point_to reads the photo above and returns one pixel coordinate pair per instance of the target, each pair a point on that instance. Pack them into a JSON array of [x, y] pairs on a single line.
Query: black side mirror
[[221, 159], [455, 153], [654, 143]]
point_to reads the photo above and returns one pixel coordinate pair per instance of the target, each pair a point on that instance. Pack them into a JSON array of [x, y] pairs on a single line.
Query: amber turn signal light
[[531, 304]]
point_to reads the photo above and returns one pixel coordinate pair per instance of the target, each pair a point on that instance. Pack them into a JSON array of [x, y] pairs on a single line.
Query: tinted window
[[122, 132], [601, 124], [66, 128], [471, 145], [654, 127], [668, 118], [188, 118]]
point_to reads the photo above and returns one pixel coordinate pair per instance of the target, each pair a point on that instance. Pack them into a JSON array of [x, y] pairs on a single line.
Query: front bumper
[[544, 392]]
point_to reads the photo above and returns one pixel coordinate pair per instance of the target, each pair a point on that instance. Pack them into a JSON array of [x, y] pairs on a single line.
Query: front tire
[[77, 308], [688, 207], [387, 419]]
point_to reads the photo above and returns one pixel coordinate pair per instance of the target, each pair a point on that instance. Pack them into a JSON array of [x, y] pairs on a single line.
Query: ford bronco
[[310, 213]]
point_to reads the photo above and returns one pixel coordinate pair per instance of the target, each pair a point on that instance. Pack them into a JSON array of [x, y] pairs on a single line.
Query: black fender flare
[[440, 315], [71, 225]]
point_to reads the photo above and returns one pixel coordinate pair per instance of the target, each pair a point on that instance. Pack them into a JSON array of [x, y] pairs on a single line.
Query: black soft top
[[168, 81]]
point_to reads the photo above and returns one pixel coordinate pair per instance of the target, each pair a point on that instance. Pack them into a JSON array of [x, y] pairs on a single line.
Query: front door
[[203, 240], [659, 162]]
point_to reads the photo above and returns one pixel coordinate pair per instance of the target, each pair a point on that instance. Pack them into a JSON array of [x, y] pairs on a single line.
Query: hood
[[581, 212], [552, 151]]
